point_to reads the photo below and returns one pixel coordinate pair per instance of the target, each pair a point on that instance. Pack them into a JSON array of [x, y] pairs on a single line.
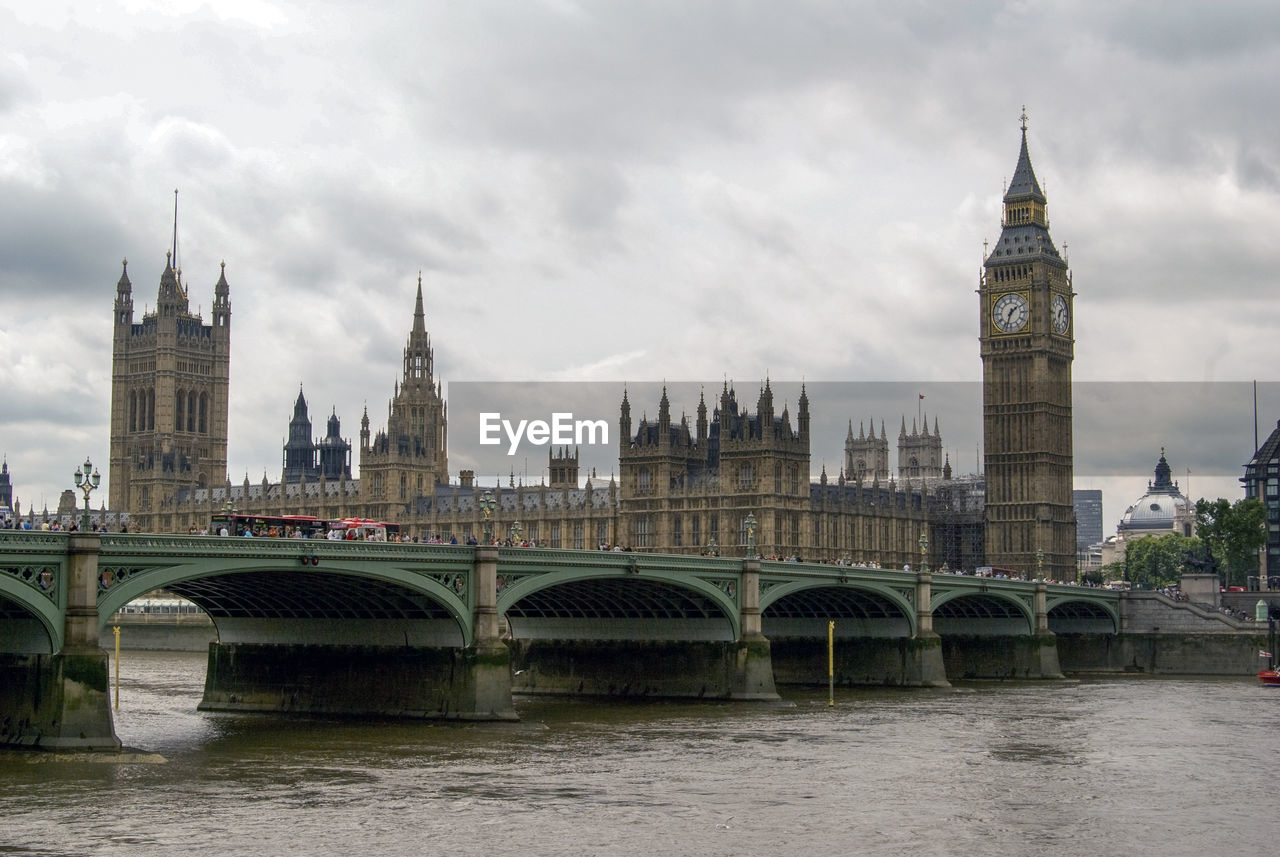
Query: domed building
[[1160, 511], [1163, 509]]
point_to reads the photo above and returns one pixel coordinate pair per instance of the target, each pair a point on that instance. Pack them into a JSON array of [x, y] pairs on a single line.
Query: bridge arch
[[603, 603], [30, 623], [1081, 614], [988, 613], [802, 608], [267, 600]]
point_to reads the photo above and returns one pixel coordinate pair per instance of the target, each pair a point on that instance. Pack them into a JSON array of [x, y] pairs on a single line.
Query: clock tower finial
[[1023, 117]]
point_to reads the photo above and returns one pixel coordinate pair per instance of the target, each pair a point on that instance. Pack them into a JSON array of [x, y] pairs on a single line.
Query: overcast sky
[[638, 192]]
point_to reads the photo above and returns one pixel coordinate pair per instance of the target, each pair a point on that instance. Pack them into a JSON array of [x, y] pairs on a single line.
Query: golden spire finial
[[1023, 117]]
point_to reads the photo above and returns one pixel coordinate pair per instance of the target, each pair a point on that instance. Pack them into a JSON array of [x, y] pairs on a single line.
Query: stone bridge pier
[[1001, 652], [61, 700]]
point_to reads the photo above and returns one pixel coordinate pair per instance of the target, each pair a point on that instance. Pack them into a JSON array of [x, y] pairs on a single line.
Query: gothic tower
[[300, 449], [6, 488], [1027, 345], [169, 386], [866, 457], [919, 453], [410, 457], [334, 451]]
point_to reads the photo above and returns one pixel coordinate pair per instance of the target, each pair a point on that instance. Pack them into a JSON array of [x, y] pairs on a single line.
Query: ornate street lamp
[[486, 506], [751, 534], [87, 482], [924, 552], [515, 534], [713, 549]]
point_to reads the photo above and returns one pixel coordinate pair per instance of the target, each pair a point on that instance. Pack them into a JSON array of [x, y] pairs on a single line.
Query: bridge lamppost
[[751, 534], [713, 549], [924, 552], [86, 482], [1039, 564], [486, 506], [515, 533]]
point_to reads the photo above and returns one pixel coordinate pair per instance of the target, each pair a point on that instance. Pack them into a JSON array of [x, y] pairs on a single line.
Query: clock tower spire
[[1027, 344]]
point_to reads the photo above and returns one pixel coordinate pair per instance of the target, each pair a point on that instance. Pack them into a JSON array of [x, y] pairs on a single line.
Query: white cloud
[[630, 190]]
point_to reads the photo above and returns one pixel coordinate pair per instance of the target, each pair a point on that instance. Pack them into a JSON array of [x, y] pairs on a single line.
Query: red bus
[[267, 526]]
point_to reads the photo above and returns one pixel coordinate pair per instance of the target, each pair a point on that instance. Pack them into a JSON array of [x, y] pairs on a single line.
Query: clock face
[[1009, 314], [1061, 315]]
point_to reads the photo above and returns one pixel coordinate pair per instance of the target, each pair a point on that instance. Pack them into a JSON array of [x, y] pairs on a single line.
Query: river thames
[[1099, 766]]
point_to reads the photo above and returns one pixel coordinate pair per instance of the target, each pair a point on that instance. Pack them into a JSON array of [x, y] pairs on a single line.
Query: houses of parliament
[[680, 488]]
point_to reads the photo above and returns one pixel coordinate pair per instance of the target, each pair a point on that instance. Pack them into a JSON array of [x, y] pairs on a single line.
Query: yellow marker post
[[115, 629], [831, 663]]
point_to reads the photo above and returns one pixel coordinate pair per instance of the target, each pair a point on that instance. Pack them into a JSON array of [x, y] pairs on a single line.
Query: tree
[[1233, 532], [1151, 562]]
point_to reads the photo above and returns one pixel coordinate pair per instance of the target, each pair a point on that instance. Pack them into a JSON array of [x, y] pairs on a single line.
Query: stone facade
[[682, 488], [170, 382]]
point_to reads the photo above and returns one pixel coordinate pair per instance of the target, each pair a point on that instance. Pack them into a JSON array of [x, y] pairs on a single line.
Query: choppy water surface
[[1099, 767]]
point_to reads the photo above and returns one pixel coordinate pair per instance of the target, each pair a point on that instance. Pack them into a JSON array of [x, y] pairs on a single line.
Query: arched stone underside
[[1081, 617], [21, 632], [618, 608], [856, 612], [299, 608], [981, 615]]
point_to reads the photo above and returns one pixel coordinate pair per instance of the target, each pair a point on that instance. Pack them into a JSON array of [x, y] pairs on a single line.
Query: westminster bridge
[[448, 631]]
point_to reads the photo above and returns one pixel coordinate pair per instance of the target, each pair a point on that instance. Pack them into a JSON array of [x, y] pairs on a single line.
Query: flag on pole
[[1263, 654]]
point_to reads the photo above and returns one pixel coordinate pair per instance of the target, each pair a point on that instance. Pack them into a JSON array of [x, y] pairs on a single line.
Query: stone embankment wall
[[1165, 637]]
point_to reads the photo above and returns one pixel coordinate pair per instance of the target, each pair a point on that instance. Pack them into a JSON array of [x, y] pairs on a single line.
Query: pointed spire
[[419, 315], [221, 288], [1024, 185]]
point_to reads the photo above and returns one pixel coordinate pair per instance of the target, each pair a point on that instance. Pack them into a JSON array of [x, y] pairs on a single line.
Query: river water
[[1108, 766]]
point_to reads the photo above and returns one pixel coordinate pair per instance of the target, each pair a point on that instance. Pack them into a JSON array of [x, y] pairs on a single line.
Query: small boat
[[1269, 678]]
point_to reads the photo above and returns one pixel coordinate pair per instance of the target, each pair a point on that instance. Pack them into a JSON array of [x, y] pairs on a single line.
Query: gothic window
[[602, 532], [777, 530], [191, 411], [403, 485], [151, 409], [179, 401], [695, 530], [204, 410], [577, 535], [533, 532], [746, 476], [133, 411], [555, 535], [777, 478], [643, 480], [713, 528], [677, 532], [795, 529], [795, 479], [644, 531]]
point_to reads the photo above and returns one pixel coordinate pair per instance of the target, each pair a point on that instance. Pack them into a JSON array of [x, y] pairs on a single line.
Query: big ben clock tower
[[1027, 327]]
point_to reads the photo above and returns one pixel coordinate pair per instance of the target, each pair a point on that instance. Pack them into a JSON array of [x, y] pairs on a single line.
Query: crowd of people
[[54, 526]]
